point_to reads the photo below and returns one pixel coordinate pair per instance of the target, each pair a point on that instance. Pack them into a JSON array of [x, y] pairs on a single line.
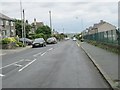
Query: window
[[11, 23], [1, 22], [3, 33], [7, 23]]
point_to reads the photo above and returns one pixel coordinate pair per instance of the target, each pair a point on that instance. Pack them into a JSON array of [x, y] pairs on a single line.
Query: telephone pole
[[21, 10]]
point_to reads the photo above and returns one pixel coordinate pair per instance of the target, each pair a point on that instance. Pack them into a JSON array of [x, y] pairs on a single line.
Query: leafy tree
[[44, 29], [27, 28], [18, 27]]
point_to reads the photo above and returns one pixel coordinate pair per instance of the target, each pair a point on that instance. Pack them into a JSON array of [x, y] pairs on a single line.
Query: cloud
[[64, 13], [60, 1]]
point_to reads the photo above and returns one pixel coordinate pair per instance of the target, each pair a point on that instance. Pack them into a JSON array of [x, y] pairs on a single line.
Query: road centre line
[[17, 65], [1, 75], [2, 54], [27, 65], [43, 53], [50, 49], [36, 54], [27, 60], [11, 64]]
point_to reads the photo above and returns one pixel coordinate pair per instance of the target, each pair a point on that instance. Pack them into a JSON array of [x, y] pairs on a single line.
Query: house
[[102, 26], [39, 24], [35, 25], [7, 26]]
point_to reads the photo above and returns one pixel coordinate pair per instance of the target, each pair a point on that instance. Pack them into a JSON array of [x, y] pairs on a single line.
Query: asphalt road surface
[[62, 65]]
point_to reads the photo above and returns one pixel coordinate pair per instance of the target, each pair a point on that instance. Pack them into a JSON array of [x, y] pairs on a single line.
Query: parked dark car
[[27, 41], [39, 42], [51, 40]]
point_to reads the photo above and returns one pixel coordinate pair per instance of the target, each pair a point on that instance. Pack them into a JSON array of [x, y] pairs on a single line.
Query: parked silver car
[[39, 42], [51, 40], [26, 40]]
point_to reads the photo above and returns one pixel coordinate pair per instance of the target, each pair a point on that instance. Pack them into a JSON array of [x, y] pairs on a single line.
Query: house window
[[7, 23], [3, 33], [11, 23], [12, 32], [1, 22]]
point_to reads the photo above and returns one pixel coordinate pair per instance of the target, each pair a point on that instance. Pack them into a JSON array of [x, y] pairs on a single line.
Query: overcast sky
[[73, 16]]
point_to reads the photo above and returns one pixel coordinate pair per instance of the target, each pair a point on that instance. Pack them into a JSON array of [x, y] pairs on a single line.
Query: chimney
[[101, 21], [34, 21]]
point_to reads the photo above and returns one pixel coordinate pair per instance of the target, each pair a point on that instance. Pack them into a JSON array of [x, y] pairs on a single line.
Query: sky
[[72, 16]]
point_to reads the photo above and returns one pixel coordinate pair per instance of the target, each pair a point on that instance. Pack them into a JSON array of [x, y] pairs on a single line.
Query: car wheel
[[45, 45], [32, 46]]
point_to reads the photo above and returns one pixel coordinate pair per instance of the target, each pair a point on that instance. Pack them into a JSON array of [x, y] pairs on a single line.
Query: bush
[[19, 44], [9, 40]]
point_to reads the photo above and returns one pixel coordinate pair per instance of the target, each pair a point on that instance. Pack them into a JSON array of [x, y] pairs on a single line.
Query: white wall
[[106, 27]]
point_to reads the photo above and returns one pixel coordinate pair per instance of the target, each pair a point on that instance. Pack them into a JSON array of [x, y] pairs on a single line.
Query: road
[[62, 65]]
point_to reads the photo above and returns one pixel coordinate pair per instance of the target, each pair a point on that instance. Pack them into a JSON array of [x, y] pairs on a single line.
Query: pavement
[[62, 65], [105, 61]]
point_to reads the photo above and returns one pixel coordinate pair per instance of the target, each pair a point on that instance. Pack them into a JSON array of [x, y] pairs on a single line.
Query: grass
[[108, 47]]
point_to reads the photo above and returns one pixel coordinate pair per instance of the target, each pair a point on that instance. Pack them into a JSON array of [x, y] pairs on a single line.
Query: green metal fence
[[108, 37]]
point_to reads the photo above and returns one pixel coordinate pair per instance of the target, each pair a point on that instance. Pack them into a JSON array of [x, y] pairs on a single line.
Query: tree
[[45, 30], [18, 28], [28, 28]]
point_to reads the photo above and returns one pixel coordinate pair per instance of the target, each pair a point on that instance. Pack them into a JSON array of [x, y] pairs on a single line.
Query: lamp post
[[24, 27], [63, 30], [50, 22]]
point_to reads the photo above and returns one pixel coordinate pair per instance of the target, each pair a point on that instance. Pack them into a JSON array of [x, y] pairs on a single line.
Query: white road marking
[[36, 54], [2, 54], [27, 65], [11, 64], [17, 65], [1, 75], [50, 49], [77, 44], [27, 60], [43, 53]]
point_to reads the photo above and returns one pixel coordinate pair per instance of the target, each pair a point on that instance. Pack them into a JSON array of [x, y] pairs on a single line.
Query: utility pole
[[24, 27], [50, 22], [21, 19], [63, 30]]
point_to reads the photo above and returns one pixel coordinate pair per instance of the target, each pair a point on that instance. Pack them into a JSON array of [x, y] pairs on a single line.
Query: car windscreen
[[38, 40]]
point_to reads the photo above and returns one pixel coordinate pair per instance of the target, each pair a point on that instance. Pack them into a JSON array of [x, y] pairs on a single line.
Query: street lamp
[[23, 22], [50, 22], [24, 27], [81, 22]]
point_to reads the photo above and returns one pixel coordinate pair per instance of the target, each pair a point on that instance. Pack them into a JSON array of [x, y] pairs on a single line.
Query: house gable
[[106, 27]]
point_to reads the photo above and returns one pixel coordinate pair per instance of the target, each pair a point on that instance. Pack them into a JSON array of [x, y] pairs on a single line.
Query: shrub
[[6, 41], [20, 44], [9, 40]]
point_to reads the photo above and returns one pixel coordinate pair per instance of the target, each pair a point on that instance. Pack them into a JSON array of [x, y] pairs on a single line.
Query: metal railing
[[108, 37]]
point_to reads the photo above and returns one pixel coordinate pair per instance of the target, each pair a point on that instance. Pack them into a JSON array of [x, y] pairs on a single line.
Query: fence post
[[112, 36], [107, 36]]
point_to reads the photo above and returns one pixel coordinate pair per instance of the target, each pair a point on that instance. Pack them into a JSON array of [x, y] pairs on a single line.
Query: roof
[[99, 24], [2, 16]]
